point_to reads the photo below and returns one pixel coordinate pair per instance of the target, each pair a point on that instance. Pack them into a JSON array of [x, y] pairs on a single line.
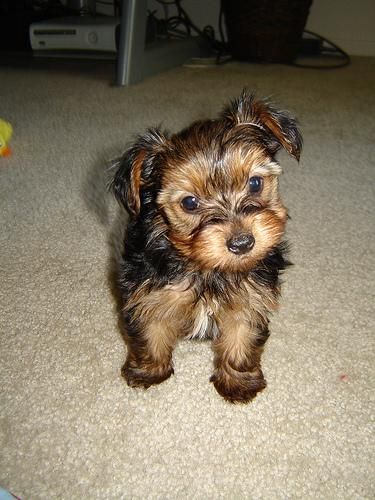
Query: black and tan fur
[[211, 270]]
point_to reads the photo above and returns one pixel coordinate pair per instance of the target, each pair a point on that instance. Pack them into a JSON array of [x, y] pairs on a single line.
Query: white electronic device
[[80, 33]]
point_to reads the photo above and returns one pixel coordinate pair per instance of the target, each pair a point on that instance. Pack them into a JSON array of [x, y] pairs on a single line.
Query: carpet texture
[[70, 427]]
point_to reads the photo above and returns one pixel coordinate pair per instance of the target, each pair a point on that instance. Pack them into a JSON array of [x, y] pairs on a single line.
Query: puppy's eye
[[255, 184], [190, 203]]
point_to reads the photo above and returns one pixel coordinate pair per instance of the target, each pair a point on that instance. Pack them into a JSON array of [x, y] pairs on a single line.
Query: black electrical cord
[[332, 50], [183, 19], [221, 21]]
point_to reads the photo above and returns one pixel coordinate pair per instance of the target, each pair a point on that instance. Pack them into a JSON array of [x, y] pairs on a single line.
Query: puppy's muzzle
[[240, 244]]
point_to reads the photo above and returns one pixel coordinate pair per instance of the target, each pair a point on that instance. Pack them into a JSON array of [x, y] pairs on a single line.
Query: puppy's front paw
[[238, 387], [145, 375]]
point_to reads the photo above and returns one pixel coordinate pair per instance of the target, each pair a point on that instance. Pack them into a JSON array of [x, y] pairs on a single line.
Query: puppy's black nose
[[241, 243]]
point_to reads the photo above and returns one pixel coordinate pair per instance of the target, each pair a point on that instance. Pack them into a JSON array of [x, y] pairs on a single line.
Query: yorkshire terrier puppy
[[204, 247]]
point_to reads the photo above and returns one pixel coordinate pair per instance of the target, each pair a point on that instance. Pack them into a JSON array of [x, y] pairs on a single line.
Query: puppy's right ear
[[135, 168]]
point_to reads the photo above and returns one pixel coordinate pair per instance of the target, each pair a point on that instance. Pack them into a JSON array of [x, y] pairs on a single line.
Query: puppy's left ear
[[136, 168], [280, 126]]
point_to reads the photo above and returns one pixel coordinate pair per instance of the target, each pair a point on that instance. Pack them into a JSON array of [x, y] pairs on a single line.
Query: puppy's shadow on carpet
[[101, 203]]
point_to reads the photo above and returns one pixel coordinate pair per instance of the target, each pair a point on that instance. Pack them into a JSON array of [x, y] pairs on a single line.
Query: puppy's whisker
[[251, 124]]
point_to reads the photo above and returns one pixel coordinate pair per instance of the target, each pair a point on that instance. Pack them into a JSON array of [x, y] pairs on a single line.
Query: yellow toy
[[6, 131]]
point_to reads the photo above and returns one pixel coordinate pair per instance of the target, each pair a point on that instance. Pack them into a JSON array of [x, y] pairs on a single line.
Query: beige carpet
[[70, 427]]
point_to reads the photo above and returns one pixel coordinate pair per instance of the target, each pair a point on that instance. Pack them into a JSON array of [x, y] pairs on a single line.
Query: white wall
[[348, 23]]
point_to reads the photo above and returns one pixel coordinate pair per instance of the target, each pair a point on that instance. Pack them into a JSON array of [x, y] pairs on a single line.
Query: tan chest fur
[[198, 316]]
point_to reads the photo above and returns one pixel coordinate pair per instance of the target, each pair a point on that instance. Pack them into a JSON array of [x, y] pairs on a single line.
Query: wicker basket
[[265, 30]]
